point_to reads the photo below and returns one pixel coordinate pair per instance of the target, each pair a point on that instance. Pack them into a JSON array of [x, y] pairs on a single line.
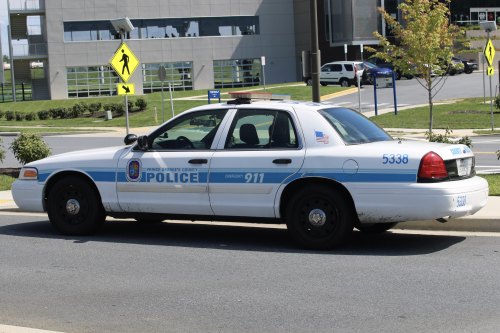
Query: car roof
[[262, 104], [345, 62]]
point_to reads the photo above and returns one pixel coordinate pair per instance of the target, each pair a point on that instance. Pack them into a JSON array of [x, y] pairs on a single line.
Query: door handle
[[282, 161], [198, 161]]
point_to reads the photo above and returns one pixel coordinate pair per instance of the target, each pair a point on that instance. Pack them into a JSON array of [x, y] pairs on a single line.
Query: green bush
[[120, 108], [30, 116], [95, 107], [141, 103], [77, 110], [130, 104], [446, 138], [496, 103], [84, 106], [29, 147], [20, 116], [108, 106], [10, 115], [65, 113], [53, 113], [43, 114]]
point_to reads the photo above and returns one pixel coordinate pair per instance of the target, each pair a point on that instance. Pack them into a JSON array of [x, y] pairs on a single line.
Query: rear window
[[354, 128], [348, 68], [360, 67], [336, 68]]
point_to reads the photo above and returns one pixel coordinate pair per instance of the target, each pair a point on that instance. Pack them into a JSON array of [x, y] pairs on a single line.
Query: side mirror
[[129, 139], [142, 143]]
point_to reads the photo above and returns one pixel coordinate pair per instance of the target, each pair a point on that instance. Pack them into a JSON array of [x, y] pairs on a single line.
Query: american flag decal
[[320, 137]]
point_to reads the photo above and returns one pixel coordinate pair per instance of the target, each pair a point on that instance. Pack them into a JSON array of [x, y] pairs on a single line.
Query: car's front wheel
[[74, 207], [318, 218], [375, 228], [324, 84], [398, 75]]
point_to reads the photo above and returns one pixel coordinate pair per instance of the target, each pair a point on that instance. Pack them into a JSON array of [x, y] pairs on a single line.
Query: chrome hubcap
[[317, 217], [72, 206]]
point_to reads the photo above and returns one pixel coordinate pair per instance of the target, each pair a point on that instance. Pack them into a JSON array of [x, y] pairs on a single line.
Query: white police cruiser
[[322, 170]]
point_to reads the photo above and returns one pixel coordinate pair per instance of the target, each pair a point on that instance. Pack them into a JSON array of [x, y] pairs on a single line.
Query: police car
[[320, 169]]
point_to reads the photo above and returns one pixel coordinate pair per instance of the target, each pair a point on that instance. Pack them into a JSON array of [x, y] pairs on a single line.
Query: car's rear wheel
[[398, 75], [324, 84], [344, 83], [74, 207], [318, 218], [375, 228]]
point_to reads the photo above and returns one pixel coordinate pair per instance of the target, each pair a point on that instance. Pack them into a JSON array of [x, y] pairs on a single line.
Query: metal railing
[[23, 92], [29, 50], [27, 4]]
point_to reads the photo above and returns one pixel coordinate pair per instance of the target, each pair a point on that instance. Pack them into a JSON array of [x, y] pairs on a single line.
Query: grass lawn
[[145, 118], [494, 182], [487, 132], [419, 117], [6, 182]]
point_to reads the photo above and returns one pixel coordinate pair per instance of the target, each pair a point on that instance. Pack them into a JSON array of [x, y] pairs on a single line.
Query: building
[[62, 47]]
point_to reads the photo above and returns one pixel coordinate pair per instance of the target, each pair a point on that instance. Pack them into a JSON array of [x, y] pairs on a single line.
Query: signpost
[[263, 64], [162, 75], [345, 51], [385, 82], [125, 89], [489, 54], [124, 62], [213, 94]]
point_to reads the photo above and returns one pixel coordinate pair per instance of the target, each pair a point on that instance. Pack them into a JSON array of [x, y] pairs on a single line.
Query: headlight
[[28, 174]]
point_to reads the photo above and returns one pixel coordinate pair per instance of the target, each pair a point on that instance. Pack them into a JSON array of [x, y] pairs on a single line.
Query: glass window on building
[[179, 75], [91, 81], [236, 73]]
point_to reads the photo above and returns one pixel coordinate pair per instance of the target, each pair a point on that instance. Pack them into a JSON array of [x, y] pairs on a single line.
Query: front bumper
[[384, 202], [28, 195]]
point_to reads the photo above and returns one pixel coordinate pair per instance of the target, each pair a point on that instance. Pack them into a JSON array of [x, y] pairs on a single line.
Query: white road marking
[[17, 329]]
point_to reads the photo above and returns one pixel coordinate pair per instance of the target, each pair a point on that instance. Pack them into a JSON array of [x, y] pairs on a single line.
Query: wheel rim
[[72, 206], [309, 82], [318, 218], [344, 83]]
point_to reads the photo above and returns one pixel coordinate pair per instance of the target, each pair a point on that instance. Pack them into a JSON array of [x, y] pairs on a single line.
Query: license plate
[[464, 165]]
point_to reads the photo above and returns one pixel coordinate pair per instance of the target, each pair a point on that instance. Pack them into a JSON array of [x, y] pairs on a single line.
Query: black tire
[[344, 83], [324, 84], [370, 80], [398, 75], [468, 72], [150, 221], [309, 82], [333, 228], [375, 228], [90, 214]]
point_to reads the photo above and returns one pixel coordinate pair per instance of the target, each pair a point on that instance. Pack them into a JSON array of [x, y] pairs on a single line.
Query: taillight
[[432, 168], [355, 71]]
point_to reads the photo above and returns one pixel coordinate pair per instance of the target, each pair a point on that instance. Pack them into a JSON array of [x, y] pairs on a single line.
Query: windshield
[[367, 64], [353, 127]]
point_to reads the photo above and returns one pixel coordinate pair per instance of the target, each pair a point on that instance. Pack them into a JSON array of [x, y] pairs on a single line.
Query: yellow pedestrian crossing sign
[[126, 88], [124, 62], [489, 52], [491, 70]]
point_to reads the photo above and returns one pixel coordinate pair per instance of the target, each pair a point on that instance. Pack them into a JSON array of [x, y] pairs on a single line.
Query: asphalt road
[[410, 92], [196, 278], [484, 148]]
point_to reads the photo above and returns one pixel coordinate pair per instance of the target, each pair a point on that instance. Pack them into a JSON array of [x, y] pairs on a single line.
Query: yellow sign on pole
[[126, 88], [491, 70], [489, 52], [124, 62]]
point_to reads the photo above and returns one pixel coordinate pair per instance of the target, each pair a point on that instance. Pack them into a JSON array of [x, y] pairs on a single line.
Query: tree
[[426, 44], [6, 58]]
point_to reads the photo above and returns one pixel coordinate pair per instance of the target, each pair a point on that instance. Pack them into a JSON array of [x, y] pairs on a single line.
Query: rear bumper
[[28, 195], [385, 202]]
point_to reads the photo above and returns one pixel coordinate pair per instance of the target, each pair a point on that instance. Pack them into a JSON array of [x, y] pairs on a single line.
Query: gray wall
[[276, 40]]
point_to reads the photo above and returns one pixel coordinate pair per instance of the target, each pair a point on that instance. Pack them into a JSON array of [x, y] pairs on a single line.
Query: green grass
[[487, 131], [145, 118], [48, 129], [494, 183], [6, 182], [419, 117]]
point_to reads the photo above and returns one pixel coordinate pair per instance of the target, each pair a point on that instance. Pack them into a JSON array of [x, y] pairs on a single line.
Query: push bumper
[[383, 202], [28, 195]]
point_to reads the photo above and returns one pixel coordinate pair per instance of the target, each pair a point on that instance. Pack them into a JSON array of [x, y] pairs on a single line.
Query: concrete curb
[[470, 223], [10, 133], [341, 93]]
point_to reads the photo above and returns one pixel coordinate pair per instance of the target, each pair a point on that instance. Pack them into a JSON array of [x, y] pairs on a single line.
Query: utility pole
[[315, 59]]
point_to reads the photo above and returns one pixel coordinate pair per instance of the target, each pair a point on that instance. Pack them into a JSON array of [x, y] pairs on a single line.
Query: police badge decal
[[134, 170]]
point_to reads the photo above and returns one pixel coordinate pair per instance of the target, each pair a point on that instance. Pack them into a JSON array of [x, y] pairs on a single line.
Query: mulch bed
[[473, 112], [13, 172], [115, 114]]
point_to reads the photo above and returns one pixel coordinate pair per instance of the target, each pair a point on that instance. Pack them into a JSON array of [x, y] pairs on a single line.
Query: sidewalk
[[486, 220]]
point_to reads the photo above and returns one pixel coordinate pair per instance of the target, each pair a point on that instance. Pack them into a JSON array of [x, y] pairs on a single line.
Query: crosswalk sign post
[[489, 54], [124, 62], [125, 89]]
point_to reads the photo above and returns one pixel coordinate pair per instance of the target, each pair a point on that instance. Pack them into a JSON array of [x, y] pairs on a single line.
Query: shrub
[[77, 110], [53, 113], [43, 114], [141, 103], [84, 107], [10, 115], [29, 147], [95, 107], [65, 113], [20, 116], [120, 108], [446, 138], [73, 113], [130, 104], [30, 116], [1, 114], [496, 103], [108, 106]]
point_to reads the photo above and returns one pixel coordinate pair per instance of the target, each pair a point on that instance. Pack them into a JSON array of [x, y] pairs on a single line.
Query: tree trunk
[[429, 89]]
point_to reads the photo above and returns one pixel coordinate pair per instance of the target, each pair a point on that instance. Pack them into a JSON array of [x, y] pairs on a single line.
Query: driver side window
[[193, 131]]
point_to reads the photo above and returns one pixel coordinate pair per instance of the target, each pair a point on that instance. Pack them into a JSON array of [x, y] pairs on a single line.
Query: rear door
[[337, 72], [256, 154]]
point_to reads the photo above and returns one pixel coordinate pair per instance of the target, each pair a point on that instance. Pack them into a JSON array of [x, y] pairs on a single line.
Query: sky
[[4, 19]]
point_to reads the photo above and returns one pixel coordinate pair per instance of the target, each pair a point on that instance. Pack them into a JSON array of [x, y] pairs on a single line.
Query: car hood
[[386, 71]]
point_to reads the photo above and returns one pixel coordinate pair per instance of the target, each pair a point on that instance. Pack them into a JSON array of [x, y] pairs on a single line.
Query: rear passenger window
[[349, 68], [336, 68], [261, 129]]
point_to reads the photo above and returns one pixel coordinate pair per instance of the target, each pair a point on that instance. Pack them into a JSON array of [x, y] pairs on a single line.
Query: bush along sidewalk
[[29, 147], [446, 138]]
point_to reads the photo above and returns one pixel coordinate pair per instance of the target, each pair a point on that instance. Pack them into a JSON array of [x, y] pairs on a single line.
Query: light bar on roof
[[261, 96]]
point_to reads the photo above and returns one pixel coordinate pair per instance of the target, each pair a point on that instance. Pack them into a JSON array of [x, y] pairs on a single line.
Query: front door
[[171, 177], [326, 75], [256, 154]]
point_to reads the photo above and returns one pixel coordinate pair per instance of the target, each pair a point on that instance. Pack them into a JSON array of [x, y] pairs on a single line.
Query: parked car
[[384, 64], [319, 169], [372, 69], [469, 65], [452, 69], [340, 72]]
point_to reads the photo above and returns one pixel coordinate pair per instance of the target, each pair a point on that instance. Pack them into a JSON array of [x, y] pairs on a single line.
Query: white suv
[[341, 72]]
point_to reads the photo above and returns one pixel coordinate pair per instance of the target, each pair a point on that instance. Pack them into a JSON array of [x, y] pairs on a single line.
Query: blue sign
[[213, 94]]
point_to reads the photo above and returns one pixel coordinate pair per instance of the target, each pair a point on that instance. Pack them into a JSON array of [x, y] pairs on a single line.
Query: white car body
[[220, 189]]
